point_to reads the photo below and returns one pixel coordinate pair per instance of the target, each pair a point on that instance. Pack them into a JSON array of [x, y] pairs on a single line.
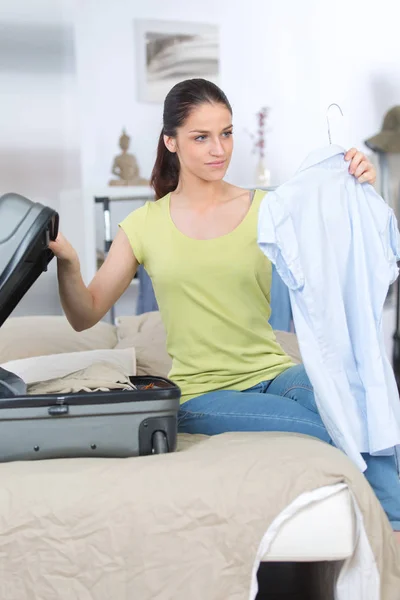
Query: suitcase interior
[[147, 388]]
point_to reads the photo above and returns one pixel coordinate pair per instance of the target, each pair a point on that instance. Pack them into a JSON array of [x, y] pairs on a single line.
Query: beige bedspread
[[184, 526]]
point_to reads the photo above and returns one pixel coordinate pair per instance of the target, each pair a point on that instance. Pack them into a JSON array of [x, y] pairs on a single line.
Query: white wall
[[39, 141], [294, 56]]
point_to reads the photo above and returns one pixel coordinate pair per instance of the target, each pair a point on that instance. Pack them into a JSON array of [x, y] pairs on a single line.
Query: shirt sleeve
[[393, 246], [276, 238], [134, 226], [384, 221], [394, 236]]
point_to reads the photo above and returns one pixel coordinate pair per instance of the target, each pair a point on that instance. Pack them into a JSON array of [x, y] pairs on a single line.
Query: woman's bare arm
[[85, 305]]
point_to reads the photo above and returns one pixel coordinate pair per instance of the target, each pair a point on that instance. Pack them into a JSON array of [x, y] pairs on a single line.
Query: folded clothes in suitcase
[[116, 423]]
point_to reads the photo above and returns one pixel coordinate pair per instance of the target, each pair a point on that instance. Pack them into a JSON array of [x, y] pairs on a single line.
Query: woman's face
[[204, 142]]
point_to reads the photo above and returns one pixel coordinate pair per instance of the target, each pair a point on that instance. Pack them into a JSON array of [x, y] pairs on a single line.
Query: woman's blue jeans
[[262, 408]]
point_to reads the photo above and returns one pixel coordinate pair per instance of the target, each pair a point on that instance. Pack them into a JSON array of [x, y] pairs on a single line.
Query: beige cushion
[[146, 333], [288, 342], [23, 337]]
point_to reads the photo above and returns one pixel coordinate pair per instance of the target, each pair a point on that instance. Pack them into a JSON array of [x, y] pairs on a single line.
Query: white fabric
[[358, 575], [53, 366], [335, 243], [323, 530]]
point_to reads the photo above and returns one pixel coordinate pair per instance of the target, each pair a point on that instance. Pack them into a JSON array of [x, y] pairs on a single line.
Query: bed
[[193, 524]]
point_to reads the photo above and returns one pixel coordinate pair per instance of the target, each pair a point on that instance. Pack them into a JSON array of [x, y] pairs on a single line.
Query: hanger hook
[[327, 118]]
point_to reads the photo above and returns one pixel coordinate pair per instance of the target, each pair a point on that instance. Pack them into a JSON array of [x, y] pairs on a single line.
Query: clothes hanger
[[327, 118]]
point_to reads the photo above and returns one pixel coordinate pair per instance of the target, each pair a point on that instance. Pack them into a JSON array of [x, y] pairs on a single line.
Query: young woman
[[198, 243]]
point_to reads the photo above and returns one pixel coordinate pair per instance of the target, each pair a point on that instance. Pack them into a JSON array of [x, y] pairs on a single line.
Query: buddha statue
[[125, 166]]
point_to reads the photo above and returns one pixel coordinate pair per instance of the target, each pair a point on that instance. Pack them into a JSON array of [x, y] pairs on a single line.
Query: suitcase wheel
[[159, 443]]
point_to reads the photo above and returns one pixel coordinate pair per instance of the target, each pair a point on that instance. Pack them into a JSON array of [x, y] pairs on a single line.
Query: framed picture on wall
[[167, 52]]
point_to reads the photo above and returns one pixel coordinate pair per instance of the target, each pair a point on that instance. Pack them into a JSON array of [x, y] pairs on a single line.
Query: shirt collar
[[321, 154]]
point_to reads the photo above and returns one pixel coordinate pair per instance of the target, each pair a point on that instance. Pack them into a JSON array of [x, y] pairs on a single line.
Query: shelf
[[129, 193]]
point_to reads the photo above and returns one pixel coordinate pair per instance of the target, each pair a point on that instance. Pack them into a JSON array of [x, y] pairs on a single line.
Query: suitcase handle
[[58, 410]]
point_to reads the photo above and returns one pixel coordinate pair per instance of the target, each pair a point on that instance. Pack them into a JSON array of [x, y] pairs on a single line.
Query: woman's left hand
[[360, 166]]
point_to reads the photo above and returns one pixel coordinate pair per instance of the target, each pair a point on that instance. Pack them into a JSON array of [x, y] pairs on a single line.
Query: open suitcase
[[117, 423]]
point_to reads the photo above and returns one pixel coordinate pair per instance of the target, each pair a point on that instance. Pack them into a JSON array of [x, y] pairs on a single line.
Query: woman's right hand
[[63, 250]]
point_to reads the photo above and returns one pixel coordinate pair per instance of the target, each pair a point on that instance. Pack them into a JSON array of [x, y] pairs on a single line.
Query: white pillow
[[44, 368]]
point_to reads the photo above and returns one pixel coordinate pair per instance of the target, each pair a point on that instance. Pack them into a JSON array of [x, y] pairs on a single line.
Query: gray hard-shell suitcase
[[118, 423]]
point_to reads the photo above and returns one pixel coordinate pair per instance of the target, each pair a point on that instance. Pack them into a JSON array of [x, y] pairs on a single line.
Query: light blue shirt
[[335, 243]]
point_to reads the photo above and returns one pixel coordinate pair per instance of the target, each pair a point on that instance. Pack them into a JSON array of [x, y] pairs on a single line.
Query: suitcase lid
[[26, 228]]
